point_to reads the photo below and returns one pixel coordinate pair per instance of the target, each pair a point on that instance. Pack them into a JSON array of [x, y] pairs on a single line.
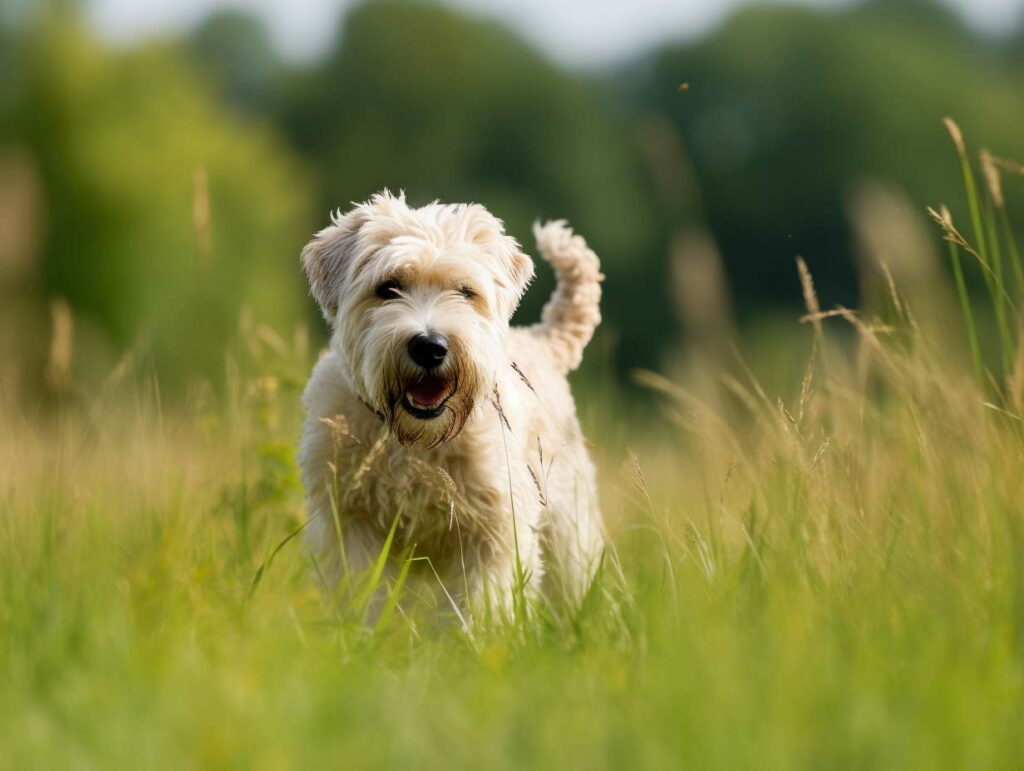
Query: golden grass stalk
[[993, 180], [810, 298], [700, 291], [700, 298], [1015, 382], [201, 213], [62, 346], [970, 184], [1010, 166], [944, 219], [896, 259], [21, 212], [956, 134]]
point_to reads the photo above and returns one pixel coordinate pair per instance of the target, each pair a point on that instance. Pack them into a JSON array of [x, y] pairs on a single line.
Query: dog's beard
[[425, 408], [421, 407]]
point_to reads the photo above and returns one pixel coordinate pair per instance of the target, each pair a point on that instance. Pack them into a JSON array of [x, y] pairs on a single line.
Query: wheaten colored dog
[[429, 413]]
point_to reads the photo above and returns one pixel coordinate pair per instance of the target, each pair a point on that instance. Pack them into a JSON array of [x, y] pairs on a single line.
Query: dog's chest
[[429, 492]]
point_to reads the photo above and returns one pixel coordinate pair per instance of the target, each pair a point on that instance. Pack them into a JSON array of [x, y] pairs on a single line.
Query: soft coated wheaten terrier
[[431, 418]]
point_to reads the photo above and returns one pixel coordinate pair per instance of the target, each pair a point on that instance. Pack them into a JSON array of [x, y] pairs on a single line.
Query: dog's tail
[[572, 314]]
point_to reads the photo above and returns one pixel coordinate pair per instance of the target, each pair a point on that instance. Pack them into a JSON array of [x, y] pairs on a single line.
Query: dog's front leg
[[504, 573], [344, 551]]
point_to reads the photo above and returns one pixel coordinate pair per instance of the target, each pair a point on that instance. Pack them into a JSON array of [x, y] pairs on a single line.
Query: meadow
[[817, 556]]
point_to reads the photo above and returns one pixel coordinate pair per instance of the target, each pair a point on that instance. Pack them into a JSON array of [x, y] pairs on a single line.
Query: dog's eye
[[388, 290], [466, 292]]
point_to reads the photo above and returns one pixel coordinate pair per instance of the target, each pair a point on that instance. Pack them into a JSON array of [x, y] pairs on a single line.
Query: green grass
[[831, 576]]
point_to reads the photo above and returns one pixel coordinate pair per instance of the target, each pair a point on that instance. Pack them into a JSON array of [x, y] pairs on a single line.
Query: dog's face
[[419, 301]]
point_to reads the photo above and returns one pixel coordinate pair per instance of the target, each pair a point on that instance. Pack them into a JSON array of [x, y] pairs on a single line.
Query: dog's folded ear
[[523, 269], [327, 256], [522, 274], [516, 277]]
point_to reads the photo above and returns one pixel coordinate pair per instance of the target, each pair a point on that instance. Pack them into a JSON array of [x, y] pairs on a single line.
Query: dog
[[435, 428]]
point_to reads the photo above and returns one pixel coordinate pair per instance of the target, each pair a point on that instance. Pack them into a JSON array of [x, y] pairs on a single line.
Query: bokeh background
[[162, 163]]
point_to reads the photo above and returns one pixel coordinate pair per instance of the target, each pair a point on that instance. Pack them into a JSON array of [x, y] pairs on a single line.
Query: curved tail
[[572, 314]]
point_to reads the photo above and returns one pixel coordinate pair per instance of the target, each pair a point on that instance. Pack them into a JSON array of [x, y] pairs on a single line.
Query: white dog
[[430, 418]]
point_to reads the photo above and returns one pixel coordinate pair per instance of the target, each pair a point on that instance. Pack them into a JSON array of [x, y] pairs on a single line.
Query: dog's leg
[[573, 545], [504, 573], [343, 550]]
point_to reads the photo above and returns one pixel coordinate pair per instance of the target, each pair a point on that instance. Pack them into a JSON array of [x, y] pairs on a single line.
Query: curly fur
[[502, 471]]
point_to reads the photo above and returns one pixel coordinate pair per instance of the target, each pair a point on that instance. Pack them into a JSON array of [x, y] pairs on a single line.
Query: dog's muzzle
[[426, 396]]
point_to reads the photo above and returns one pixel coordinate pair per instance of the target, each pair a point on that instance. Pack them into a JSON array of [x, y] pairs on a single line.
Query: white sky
[[574, 31]]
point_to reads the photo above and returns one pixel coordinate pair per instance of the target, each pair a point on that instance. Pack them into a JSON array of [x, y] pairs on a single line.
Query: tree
[[418, 97], [165, 213], [790, 106], [233, 47]]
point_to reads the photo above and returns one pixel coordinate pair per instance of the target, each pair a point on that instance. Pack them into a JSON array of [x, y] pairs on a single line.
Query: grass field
[[825, 574]]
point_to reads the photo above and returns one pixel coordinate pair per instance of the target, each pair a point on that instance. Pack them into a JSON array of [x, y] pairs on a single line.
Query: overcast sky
[[575, 31]]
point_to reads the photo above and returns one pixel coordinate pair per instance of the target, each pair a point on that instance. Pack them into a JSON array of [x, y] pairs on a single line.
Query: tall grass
[[994, 244], [825, 576]]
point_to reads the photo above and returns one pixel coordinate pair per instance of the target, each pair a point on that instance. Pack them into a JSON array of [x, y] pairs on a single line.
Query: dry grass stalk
[[201, 212], [869, 331], [896, 257], [21, 211], [1016, 379], [272, 340], [815, 318], [993, 180], [676, 394], [62, 346], [536, 483], [701, 300], [670, 167], [1009, 166], [810, 298], [803, 409], [371, 457], [956, 134], [944, 220], [449, 486], [496, 401], [700, 291], [894, 295]]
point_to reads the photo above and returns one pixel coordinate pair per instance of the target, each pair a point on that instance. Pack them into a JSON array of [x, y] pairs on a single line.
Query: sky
[[574, 31]]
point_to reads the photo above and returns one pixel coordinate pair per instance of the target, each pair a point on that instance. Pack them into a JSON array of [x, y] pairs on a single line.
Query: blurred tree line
[[160, 190]]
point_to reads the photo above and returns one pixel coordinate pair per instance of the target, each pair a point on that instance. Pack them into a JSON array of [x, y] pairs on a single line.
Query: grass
[[830, 576]]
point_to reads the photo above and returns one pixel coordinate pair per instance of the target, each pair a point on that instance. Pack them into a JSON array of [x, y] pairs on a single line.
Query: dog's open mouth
[[426, 398]]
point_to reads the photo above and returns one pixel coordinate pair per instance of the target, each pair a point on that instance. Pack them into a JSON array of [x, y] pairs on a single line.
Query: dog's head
[[419, 301]]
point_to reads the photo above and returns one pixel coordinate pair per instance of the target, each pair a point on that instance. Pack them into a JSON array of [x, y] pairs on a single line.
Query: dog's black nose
[[428, 350]]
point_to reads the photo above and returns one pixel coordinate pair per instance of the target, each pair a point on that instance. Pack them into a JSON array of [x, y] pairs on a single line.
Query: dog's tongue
[[428, 392]]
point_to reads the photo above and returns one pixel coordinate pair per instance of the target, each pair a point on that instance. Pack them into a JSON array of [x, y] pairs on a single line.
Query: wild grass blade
[[1015, 258], [394, 593], [363, 599], [265, 566]]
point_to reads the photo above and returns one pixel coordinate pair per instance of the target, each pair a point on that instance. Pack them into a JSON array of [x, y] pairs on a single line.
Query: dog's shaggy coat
[[478, 464]]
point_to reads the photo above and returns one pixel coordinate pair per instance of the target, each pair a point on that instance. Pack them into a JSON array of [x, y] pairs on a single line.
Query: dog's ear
[[326, 258], [519, 274], [522, 268]]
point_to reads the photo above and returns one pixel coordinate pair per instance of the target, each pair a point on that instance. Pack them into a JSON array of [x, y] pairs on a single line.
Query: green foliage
[[165, 213], [421, 98], [234, 49], [789, 106]]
